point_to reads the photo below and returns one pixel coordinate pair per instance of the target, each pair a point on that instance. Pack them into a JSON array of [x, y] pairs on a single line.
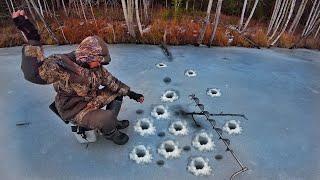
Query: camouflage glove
[[24, 25], [135, 96]]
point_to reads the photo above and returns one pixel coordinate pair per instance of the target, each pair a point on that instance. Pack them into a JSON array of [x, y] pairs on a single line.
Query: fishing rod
[[218, 130]]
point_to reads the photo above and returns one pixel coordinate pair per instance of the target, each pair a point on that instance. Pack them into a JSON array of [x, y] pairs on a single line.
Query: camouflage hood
[[92, 48]]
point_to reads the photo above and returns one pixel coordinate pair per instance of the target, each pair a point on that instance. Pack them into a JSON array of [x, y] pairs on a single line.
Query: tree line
[[281, 15]]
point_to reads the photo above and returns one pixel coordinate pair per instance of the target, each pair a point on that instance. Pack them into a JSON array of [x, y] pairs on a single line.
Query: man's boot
[[122, 124], [115, 107], [117, 137]]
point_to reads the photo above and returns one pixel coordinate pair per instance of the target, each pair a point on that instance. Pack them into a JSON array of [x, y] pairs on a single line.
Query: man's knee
[[100, 119]]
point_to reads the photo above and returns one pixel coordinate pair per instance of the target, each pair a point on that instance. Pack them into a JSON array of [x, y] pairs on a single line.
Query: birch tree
[[286, 23], [216, 21], [313, 16], [138, 17], [250, 16], [205, 24], [127, 6], [297, 18], [242, 13], [274, 15]]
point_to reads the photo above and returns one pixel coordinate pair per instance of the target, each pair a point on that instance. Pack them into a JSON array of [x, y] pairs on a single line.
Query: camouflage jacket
[[78, 89]]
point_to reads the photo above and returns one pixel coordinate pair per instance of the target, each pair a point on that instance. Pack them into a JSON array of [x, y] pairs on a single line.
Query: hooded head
[[91, 49]]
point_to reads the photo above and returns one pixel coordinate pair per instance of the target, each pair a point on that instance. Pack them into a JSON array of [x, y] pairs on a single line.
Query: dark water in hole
[[160, 162], [161, 134]]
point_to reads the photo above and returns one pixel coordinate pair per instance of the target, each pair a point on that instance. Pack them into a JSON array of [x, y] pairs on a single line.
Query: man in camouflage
[[76, 78]]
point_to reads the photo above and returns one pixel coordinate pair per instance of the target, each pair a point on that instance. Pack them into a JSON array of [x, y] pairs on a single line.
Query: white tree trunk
[[138, 17], [53, 36], [242, 13], [64, 8], [316, 34], [286, 24], [298, 16], [205, 24], [84, 13], [280, 18], [274, 15], [94, 18], [216, 21], [10, 11], [309, 18], [314, 17], [40, 6], [128, 15], [251, 14]]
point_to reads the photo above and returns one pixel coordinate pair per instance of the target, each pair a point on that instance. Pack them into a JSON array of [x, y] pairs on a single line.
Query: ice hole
[[199, 167], [167, 80], [198, 164], [203, 140], [160, 112], [190, 73], [178, 128], [161, 65], [232, 127], [160, 162], [169, 96], [139, 111], [161, 134], [186, 148], [144, 127], [169, 147], [218, 157], [213, 92], [141, 154]]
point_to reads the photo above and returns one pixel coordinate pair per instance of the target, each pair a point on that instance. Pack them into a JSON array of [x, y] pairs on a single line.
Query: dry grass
[[182, 28]]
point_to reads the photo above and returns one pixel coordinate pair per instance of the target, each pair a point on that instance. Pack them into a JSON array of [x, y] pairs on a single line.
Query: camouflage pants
[[104, 120]]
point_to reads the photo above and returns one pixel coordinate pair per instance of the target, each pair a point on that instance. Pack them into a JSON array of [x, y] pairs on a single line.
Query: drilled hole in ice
[[218, 157], [169, 147], [139, 111], [160, 162], [167, 80], [203, 140], [169, 95], [144, 125], [141, 152], [161, 134], [186, 148], [160, 111], [178, 127], [213, 91], [199, 164], [232, 126]]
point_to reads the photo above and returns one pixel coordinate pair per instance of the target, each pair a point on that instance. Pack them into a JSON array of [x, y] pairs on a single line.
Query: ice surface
[[276, 89]]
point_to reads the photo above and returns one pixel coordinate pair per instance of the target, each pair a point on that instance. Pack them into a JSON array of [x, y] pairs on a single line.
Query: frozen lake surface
[[277, 89]]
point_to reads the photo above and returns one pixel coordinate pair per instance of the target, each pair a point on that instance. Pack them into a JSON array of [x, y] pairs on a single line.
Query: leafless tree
[[216, 21], [250, 16], [205, 24], [286, 23], [127, 6], [297, 18], [138, 17]]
